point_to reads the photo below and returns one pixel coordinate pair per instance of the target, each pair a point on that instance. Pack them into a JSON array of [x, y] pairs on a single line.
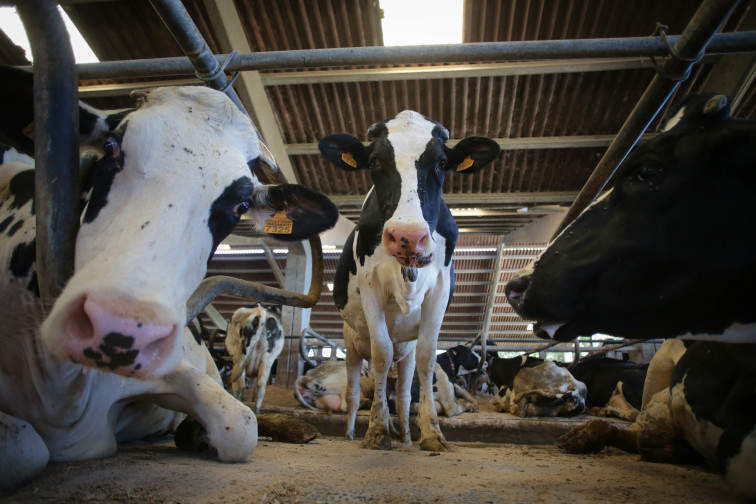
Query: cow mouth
[[546, 329], [414, 261]]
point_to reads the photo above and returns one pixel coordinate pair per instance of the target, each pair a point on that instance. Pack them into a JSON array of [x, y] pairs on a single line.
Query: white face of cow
[[406, 235], [168, 191], [408, 160]]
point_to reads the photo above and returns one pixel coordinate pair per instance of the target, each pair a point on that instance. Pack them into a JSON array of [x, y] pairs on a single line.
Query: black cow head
[[667, 251]]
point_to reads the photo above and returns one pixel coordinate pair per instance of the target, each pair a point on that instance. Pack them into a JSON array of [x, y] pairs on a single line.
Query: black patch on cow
[[346, 266], [447, 227], [104, 173], [14, 228], [22, 188], [221, 219], [456, 358], [33, 285], [272, 333], [113, 352], [248, 332], [23, 257], [601, 375], [369, 229], [115, 120], [720, 387], [87, 121], [5, 223], [504, 371], [3, 150]]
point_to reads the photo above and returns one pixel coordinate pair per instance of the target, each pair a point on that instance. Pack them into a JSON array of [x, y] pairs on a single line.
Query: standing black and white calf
[[395, 277], [254, 340], [113, 361]]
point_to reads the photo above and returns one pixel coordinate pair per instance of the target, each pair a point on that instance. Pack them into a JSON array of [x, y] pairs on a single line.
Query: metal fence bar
[[56, 147], [452, 53], [180, 24]]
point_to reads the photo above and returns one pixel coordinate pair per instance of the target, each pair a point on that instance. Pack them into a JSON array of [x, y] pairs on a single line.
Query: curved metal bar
[[56, 149], [214, 286]]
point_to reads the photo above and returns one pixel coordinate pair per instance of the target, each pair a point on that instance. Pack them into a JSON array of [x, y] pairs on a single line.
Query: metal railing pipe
[[450, 53], [56, 149], [675, 68], [180, 24]]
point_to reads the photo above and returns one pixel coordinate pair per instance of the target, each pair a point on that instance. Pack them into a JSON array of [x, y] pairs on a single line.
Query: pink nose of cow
[[409, 244], [124, 338]]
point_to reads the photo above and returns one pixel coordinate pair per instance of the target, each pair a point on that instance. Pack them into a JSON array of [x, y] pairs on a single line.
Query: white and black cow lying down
[[324, 387], [668, 252], [615, 387], [532, 387], [111, 361], [395, 277], [254, 340]]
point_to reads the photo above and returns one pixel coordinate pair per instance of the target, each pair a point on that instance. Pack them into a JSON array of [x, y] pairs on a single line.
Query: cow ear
[[291, 212], [345, 151], [472, 154]]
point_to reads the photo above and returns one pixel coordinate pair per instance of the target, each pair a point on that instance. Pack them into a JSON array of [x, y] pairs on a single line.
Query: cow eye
[[647, 172], [241, 208], [111, 148]]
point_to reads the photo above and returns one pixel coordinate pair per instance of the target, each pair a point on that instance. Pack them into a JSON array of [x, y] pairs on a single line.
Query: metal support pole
[[489, 315], [56, 149], [675, 68], [183, 29], [631, 47]]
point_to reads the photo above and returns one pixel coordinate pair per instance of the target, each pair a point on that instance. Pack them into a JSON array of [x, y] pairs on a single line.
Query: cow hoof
[[349, 436], [591, 437], [434, 445], [377, 439]]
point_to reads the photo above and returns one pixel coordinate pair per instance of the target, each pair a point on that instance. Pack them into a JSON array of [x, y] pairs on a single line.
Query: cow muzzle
[[410, 245], [515, 290], [124, 337]]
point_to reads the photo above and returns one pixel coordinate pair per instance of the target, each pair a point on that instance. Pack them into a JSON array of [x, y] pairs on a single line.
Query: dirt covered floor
[[332, 470]]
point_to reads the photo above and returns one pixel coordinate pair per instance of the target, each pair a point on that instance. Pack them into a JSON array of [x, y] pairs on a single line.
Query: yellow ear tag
[[465, 164], [278, 224], [349, 159], [29, 131]]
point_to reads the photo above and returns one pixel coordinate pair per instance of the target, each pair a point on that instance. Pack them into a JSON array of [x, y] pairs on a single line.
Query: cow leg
[[378, 435], [353, 371], [405, 372], [23, 452], [431, 438], [231, 426], [263, 375]]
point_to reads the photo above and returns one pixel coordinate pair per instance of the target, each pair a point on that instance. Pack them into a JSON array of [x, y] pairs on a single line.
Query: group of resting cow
[[523, 386], [659, 255]]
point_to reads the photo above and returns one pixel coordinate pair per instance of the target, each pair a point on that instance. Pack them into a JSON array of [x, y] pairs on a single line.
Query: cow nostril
[[516, 287], [390, 238]]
